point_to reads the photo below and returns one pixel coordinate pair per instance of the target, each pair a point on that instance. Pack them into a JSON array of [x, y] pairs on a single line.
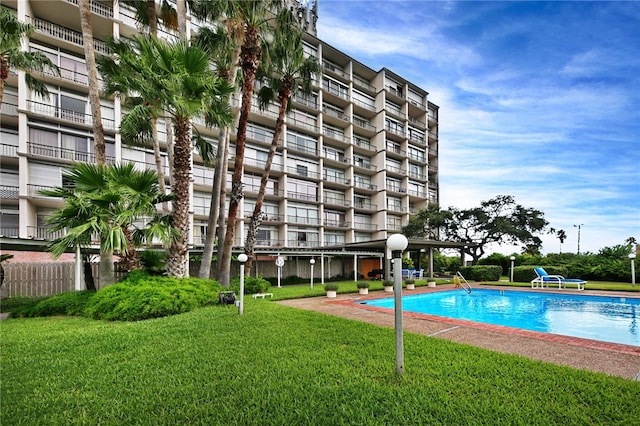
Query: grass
[[278, 365]]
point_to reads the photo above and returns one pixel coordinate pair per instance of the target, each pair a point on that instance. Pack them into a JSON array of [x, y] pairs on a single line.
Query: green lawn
[[277, 365]]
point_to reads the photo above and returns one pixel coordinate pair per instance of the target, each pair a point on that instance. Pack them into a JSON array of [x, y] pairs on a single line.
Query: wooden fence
[[41, 279]]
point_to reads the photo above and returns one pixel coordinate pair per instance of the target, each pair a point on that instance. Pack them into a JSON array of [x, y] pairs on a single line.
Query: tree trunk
[[158, 159], [250, 59], [181, 9], [256, 217], [214, 205], [92, 71], [4, 74], [177, 256], [153, 17], [218, 192]]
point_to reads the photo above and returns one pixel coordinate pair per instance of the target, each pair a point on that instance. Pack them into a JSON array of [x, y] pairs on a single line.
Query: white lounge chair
[[544, 278]]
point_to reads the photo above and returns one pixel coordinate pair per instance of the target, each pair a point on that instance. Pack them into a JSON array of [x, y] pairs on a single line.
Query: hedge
[[481, 273], [526, 273]]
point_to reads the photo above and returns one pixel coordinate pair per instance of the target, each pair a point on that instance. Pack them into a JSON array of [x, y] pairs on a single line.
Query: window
[[302, 142], [394, 204], [394, 222], [416, 154], [334, 238], [394, 126], [302, 237], [334, 218], [394, 147], [302, 189], [334, 197], [334, 175], [394, 166], [301, 213], [362, 161], [416, 171], [332, 153]]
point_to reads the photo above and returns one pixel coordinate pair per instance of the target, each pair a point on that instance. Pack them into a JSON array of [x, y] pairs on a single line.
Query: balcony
[[363, 124], [65, 34], [335, 135], [365, 205], [334, 69], [297, 243], [43, 233], [303, 219], [303, 148], [336, 223], [303, 196], [336, 179], [8, 150], [303, 171], [395, 170], [97, 8], [365, 225], [9, 231], [34, 190], [269, 243], [8, 192], [49, 152], [269, 191], [75, 117], [366, 185], [419, 194], [335, 201]]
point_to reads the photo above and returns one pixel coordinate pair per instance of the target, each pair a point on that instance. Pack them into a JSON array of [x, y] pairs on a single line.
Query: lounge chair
[[544, 278]]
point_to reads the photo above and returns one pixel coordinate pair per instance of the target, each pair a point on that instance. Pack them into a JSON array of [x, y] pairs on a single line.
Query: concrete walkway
[[612, 359]]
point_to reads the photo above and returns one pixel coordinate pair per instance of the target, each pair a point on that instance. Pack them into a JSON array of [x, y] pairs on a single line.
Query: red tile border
[[549, 337]]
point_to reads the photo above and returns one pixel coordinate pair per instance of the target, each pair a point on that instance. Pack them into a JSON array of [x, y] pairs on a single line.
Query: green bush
[[482, 273], [141, 296], [526, 273], [69, 303], [331, 287], [363, 284], [252, 285], [20, 305]]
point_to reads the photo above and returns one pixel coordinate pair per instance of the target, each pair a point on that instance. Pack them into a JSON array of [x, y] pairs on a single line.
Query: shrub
[[331, 287], [363, 284], [482, 273], [526, 273], [252, 285], [409, 281], [69, 303], [387, 283], [141, 296], [20, 305]]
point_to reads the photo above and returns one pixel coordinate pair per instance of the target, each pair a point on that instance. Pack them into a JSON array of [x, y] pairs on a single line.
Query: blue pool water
[[608, 319]]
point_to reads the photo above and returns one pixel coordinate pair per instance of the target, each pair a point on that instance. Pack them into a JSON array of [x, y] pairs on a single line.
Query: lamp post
[[578, 226], [632, 257], [397, 243], [513, 258], [242, 258], [312, 262]]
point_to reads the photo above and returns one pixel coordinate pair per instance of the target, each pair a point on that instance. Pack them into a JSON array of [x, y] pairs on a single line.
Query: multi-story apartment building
[[357, 158]]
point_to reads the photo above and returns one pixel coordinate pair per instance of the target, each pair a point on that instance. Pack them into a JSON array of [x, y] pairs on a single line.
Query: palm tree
[[562, 235], [225, 52], [147, 15], [180, 81], [287, 71], [252, 18], [12, 57], [108, 201]]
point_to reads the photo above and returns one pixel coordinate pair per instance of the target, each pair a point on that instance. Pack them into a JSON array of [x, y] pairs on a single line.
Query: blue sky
[[539, 100]]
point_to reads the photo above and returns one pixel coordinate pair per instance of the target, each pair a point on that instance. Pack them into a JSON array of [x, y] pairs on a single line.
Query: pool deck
[[610, 358]]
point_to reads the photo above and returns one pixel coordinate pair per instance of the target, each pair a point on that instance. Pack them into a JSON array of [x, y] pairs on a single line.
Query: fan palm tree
[[12, 57], [108, 201], [287, 71], [179, 80]]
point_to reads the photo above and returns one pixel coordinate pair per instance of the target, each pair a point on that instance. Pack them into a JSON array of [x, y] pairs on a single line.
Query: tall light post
[[578, 226], [513, 258], [242, 258], [397, 243], [312, 262], [632, 257]]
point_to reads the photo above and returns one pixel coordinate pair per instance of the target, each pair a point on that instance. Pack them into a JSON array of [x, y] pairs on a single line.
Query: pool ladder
[[463, 282]]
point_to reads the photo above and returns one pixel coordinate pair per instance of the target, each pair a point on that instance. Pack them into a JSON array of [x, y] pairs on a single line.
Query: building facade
[[357, 158]]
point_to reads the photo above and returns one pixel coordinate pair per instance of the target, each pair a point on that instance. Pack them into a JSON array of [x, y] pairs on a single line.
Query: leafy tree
[[12, 57], [179, 80], [499, 220], [108, 202], [286, 72]]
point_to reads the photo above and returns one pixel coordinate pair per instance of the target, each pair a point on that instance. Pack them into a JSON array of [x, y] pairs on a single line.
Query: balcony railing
[[334, 69], [302, 196], [334, 113], [97, 8], [303, 172], [34, 190], [254, 162], [357, 81], [9, 231], [363, 124], [43, 233], [367, 205], [336, 223], [296, 243], [364, 225], [67, 114], [420, 194], [336, 201], [361, 143], [9, 109], [65, 34], [312, 127], [334, 134], [254, 189], [336, 179], [341, 93], [310, 102], [303, 148], [269, 243], [366, 185], [8, 150], [8, 192], [63, 153], [303, 219]]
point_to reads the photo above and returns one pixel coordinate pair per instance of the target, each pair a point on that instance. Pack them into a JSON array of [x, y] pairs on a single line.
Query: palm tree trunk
[[92, 71], [177, 257], [256, 217], [153, 17], [214, 210], [4, 74], [222, 204], [158, 159], [250, 59]]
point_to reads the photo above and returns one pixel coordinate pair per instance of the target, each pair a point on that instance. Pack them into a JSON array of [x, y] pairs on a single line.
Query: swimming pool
[[608, 319]]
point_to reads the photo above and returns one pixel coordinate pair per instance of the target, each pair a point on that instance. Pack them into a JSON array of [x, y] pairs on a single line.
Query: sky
[[538, 100]]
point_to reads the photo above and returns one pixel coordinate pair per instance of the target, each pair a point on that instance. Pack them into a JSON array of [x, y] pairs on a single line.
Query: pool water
[[608, 319]]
